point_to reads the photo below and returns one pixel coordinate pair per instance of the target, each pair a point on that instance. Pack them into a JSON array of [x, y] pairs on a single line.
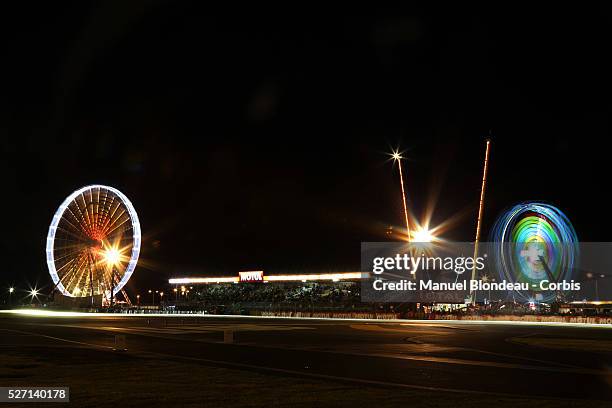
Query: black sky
[[257, 138]]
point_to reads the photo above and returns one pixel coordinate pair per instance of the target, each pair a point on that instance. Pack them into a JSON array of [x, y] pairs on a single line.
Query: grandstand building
[[253, 292]]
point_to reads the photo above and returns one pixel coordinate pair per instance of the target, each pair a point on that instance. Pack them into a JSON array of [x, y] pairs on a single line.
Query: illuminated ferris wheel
[[93, 243]]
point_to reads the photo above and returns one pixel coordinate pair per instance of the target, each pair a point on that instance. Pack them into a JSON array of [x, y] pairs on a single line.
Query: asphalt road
[[511, 359]]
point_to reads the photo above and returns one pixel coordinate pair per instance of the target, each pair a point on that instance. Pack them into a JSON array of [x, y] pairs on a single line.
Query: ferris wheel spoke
[[85, 209], [71, 239], [68, 265], [63, 245], [67, 225], [97, 213], [65, 270], [67, 253], [104, 213], [81, 218], [90, 210], [112, 219], [100, 209], [121, 220], [72, 218], [107, 213], [77, 236], [78, 271], [99, 273], [89, 274], [68, 285], [77, 266]]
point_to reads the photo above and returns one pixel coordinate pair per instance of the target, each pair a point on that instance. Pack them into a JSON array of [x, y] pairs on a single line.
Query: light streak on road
[[52, 314]]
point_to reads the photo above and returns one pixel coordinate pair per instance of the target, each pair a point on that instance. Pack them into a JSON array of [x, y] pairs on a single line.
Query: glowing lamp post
[[423, 235], [112, 257], [11, 290], [34, 294]]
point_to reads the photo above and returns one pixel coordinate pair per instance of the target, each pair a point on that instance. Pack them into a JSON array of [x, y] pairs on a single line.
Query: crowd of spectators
[[315, 298], [320, 294]]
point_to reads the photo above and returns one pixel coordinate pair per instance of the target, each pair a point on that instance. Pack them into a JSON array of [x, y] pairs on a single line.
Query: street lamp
[[138, 300], [485, 279], [152, 297], [161, 297], [590, 275], [34, 294], [11, 290], [112, 257]]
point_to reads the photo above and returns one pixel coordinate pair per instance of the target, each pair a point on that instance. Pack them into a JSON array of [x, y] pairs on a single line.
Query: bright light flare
[[422, 235], [112, 256]]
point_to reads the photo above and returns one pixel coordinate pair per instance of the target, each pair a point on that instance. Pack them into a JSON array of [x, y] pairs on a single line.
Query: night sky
[[258, 138]]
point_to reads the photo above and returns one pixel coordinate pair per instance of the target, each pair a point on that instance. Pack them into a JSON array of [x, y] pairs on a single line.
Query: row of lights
[[161, 294], [32, 292], [35, 292], [112, 256]]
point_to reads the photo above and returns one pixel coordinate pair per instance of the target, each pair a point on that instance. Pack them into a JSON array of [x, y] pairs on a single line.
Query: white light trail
[[274, 278], [48, 313], [397, 157], [480, 210]]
